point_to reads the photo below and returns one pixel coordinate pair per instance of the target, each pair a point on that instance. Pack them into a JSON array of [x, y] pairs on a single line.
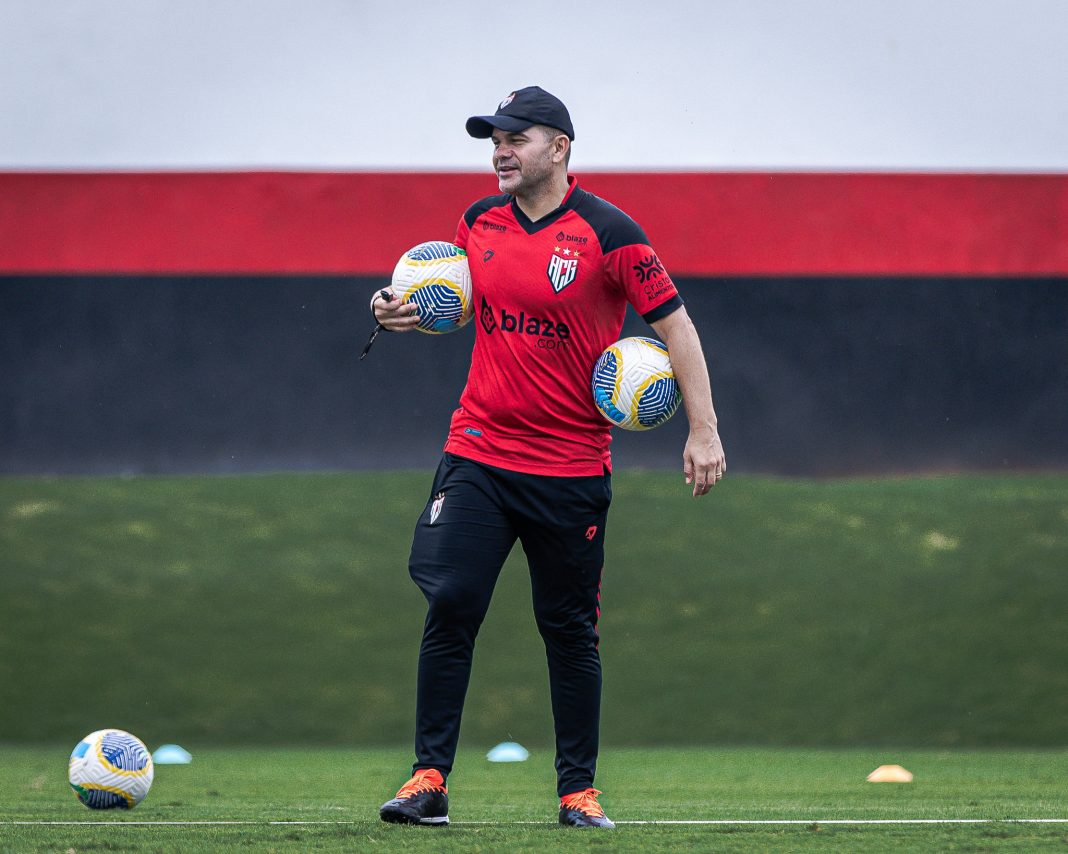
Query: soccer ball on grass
[[633, 384], [110, 769], [436, 277]]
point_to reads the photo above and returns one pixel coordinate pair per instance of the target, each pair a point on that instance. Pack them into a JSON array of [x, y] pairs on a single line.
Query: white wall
[[722, 84]]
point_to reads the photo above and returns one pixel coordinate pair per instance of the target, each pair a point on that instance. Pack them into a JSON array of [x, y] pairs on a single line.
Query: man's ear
[[561, 145]]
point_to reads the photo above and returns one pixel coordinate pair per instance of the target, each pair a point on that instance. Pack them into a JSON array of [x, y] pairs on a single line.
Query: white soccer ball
[[634, 386], [436, 277], [110, 769]]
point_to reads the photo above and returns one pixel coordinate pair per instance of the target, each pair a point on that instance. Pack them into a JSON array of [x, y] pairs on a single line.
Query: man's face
[[523, 161]]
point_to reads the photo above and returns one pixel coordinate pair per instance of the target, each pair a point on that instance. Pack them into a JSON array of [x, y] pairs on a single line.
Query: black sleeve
[[663, 310], [481, 206]]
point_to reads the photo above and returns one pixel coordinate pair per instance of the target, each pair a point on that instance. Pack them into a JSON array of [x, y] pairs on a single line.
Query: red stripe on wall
[[700, 223]]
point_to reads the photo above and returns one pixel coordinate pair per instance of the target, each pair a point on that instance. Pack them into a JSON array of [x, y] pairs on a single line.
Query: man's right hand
[[392, 314]]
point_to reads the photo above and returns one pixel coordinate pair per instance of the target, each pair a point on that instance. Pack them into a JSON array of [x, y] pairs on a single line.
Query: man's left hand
[[703, 460]]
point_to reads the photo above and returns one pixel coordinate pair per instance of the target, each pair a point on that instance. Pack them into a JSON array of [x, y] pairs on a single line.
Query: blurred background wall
[[864, 207]]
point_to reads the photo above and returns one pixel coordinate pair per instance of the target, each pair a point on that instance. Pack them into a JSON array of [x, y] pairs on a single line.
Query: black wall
[[810, 376]]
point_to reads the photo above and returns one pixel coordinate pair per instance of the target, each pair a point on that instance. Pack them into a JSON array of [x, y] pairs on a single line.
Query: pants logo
[[591, 532], [435, 508]]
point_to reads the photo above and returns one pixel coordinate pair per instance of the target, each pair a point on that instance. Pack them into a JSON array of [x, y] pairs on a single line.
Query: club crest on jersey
[[561, 272], [435, 508]]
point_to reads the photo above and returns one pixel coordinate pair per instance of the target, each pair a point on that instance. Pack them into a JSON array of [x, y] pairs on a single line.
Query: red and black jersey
[[549, 297]]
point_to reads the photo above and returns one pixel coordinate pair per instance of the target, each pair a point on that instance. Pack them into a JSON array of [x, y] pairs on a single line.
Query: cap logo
[[506, 101]]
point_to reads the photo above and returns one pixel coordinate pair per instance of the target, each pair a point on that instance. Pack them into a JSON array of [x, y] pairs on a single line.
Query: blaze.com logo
[[547, 334]]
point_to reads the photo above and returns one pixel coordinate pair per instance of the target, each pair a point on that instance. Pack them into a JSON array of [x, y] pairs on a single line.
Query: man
[[527, 457]]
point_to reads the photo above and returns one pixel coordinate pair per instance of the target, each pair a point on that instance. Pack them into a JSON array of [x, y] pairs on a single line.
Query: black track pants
[[473, 518]]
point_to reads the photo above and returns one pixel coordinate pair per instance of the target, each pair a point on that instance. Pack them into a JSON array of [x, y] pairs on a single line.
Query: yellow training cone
[[890, 774]]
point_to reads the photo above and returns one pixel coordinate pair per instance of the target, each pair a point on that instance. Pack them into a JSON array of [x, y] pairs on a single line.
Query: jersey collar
[[568, 202]]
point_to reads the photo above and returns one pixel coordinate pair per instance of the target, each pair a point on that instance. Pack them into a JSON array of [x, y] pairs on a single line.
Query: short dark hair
[[552, 133]]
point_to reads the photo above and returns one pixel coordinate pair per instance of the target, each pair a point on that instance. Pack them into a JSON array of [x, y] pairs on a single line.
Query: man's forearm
[[691, 372]]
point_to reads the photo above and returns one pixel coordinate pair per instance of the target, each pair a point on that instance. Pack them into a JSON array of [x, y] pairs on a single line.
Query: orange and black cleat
[[580, 809], [422, 800]]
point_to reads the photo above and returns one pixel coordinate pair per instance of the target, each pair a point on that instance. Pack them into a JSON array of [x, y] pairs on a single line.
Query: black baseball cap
[[531, 105]]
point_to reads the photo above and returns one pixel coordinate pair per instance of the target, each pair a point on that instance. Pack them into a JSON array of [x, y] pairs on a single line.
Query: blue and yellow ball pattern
[[634, 386], [436, 277], [110, 769]]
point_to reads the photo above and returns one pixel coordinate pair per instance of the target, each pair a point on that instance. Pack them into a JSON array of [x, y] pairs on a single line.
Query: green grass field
[[822, 628], [333, 796], [923, 612]]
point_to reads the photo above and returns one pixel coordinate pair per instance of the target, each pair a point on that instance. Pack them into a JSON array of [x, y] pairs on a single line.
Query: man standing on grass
[[553, 268]]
